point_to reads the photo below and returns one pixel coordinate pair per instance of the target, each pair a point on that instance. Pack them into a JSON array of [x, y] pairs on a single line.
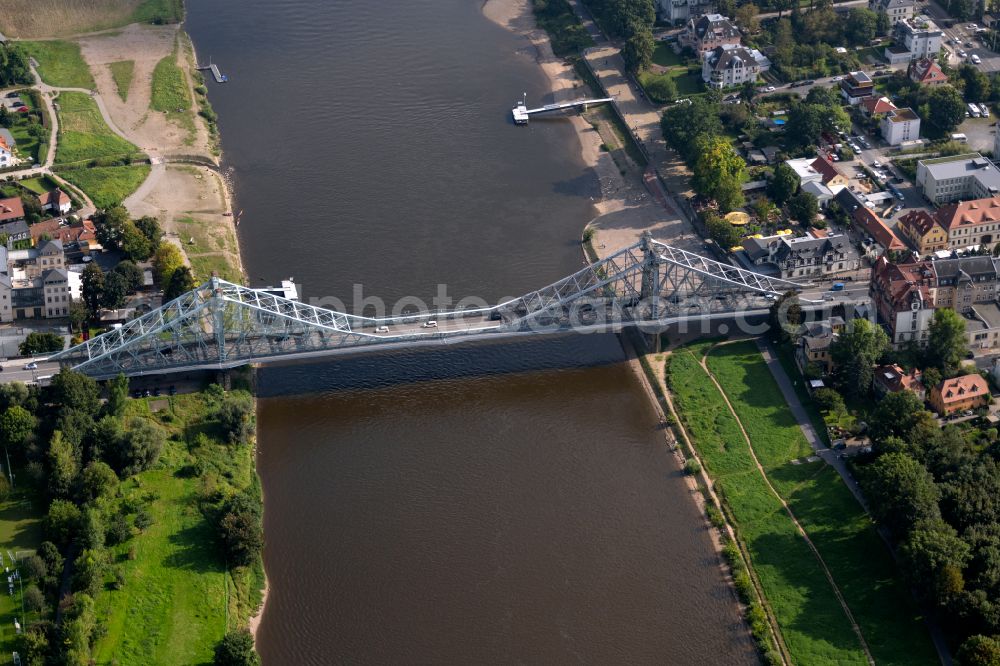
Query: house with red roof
[[968, 223], [57, 202], [11, 209], [829, 174], [904, 296], [926, 72], [959, 394], [875, 227], [924, 232], [876, 107]]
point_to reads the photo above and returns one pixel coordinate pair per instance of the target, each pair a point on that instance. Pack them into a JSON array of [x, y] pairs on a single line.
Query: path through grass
[[83, 135], [61, 64], [837, 525]]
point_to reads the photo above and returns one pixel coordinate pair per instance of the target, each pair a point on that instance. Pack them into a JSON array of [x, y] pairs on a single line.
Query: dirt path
[[760, 468]]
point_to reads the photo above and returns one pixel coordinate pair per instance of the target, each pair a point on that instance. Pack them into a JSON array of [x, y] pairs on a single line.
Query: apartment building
[[968, 176]]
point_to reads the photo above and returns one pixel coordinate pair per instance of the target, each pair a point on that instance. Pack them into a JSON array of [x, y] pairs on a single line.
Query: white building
[[731, 65], [900, 125], [804, 169], [920, 36], [6, 149], [969, 176], [681, 10], [896, 10]]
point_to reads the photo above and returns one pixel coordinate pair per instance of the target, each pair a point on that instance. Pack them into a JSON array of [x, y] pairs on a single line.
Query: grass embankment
[[60, 64], [179, 599], [20, 534], [209, 247], [122, 72], [838, 526], [567, 34], [107, 186], [83, 135], [55, 18], [811, 620], [170, 93]]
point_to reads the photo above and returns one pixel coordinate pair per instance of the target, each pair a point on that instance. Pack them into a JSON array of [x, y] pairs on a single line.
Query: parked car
[[31, 366], [975, 59], [985, 110]]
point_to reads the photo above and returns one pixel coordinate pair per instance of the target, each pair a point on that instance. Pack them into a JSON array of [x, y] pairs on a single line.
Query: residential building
[[923, 231], [893, 379], [959, 394], [676, 11], [807, 256], [730, 65], [69, 235], [856, 87], [896, 10], [804, 169], [6, 149], [966, 281], [36, 284], [11, 209], [919, 35], [877, 107], [6, 299], [900, 125], [813, 348], [829, 174], [926, 72], [709, 31], [971, 223], [822, 193], [904, 297], [56, 202], [982, 326], [967, 176], [876, 228], [56, 289], [15, 231]]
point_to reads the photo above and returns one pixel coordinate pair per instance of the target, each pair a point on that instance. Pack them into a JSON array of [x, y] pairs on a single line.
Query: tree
[[684, 124], [933, 558], [34, 600], [41, 343], [98, 480], [804, 207], [150, 228], [661, 88], [32, 208], [746, 18], [240, 529], [62, 523], [132, 274], [75, 389], [117, 395], [166, 260], [236, 649], [115, 292], [882, 24], [828, 400], [785, 317], [719, 172], [784, 183], [977, 84], [947, 343], [721, 231], [236, 416], [137, 449], [979, 650], [134, 243], [93, 288], [638, 50], [34, 568], [945, 110], [50, 555], [854, 352], [860, 26], [895, 415], [63, 465], [823, 96], [901, 493], [180, 283], [77, 315], [17, 425], [110, 226]]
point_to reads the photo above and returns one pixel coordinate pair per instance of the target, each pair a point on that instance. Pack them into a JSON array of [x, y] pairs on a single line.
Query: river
[[496, 503]]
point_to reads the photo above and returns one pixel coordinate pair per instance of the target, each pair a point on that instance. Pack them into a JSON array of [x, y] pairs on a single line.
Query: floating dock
[[521, 112], [219, 76]]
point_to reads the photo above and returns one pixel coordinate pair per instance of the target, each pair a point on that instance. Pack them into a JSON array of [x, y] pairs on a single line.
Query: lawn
[[178, 596], [20, 534], [60, 64], [202, 266], [39, 185], [837, 524], [27, 145], [107, 186], [812, 622], [83, 135], [171, 94], [122, 73], [664, 56]]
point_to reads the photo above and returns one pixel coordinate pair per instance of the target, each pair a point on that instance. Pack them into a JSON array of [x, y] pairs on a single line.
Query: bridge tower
[[649, 289]]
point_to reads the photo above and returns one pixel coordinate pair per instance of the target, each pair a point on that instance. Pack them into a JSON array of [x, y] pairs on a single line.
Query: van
[[961, 138], [429, 324], [985, 110], [837, 286]]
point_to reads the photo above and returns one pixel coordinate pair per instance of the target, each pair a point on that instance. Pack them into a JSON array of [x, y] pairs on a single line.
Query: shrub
[[236, 649], [692, 467]]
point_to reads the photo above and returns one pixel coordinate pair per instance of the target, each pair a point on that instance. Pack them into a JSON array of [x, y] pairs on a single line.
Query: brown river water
[[493, 503]]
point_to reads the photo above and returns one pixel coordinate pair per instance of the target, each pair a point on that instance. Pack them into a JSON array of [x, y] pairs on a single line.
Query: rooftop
[[958, 166], [902, 115], [989, 313], [961, 388]]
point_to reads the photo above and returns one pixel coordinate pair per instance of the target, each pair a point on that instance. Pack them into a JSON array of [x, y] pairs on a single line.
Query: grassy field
[[83, 134], [178, 599], [27, 145], [60, 64], [664, 56], [836, 523], [812, 622], [57, 18], [20, 534], [208, 247], [171, 94], [122, 73], [107, 186]]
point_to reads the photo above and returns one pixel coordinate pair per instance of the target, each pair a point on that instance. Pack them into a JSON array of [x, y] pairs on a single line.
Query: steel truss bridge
[[222, 325]]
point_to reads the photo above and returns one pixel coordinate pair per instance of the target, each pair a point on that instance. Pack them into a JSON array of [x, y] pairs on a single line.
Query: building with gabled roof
[[904, 296], [893, 379], [965, 282], [876, 107], [896, 10], [959, 394], [971, 223], [11, 209], [877, 229], [923, 231], [926, 72], [709, 31], [730, 65]]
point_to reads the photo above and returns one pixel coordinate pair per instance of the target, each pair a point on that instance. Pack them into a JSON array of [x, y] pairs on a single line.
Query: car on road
[[429, 324], [898, 207], [769, 89], [877, 164], [961, 53], [808, 82], [31, 366], [975, 59], [837, 78], [381, 329], [837, 286]]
